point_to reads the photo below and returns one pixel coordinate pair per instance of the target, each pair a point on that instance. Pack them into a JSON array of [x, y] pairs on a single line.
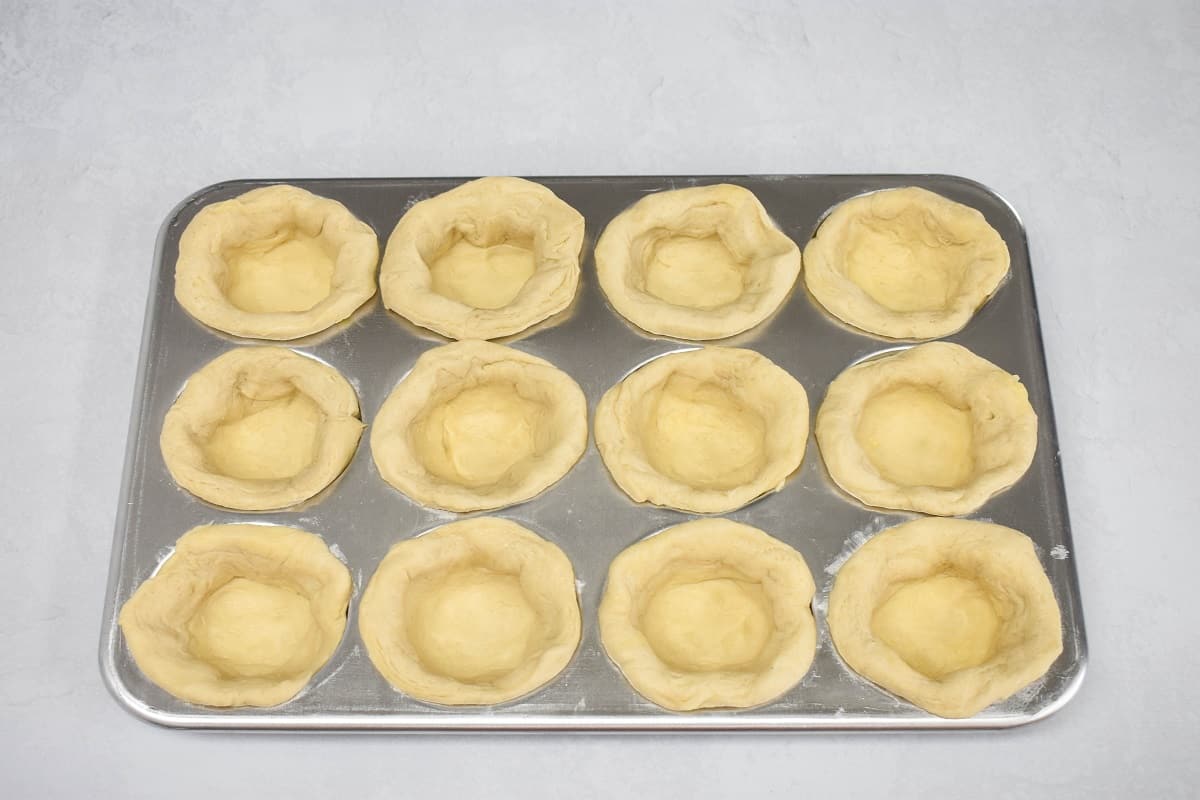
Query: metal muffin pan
[[585, 514]]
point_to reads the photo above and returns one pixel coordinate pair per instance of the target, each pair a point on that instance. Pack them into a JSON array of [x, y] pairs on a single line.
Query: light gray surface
[[585, 513], [1085, 116]]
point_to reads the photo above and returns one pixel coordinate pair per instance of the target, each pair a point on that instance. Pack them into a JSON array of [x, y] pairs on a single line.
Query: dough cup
[[477, 425], [261, 428], [904, 263], [709, 614], [700, 263], [706, 430], [239, 615], [275, 263], [484, 260], [476, 612], [952, 615], [933, 428]]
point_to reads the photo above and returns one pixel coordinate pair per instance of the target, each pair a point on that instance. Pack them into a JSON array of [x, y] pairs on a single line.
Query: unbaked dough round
[[486, 259], [950, 614], [477, 425], [275, 263], [238, 615], [476, 612], [705, 430], [260, 428], [933, 428], [698, 263], [905, 263], [709, 614]]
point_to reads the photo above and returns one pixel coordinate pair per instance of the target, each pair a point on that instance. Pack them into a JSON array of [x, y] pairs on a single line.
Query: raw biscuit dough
[[933, 428], [477, 425], [950, 614], [260, 428], [709, 614], [698, 263], [238, 615], [275, 263], [484, 260], [904, 263], [476, 612], [705, 430]]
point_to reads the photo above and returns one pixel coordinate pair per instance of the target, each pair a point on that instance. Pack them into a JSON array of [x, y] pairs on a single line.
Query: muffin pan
[[585, 514]]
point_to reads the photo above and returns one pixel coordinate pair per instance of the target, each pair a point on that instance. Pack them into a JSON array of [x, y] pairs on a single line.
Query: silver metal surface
[[585, 514]]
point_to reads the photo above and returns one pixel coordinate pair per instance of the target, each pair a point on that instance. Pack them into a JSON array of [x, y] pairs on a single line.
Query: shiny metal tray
[[585, 513]]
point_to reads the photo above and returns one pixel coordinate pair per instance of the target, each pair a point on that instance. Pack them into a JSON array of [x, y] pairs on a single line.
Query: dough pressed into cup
[[238, 615], [709, 614], [476, 612], [934, 428], [484, 260], [950, 614], [698, 263], [477, 425], [275, 263], [705, 430], [904, 263], [261, 428]]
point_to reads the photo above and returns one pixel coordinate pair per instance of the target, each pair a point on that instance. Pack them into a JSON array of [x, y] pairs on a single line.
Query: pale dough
[[933, 428], [905, 263], [476, 612], [709, 614], [484, 260], [477, 425], [261, 428], [705, 430], [950, 614], [238, 615], [275, 263], [699, 263]]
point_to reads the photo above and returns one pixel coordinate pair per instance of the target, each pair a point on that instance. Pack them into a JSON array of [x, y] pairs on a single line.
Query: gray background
[[1085, 116]]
